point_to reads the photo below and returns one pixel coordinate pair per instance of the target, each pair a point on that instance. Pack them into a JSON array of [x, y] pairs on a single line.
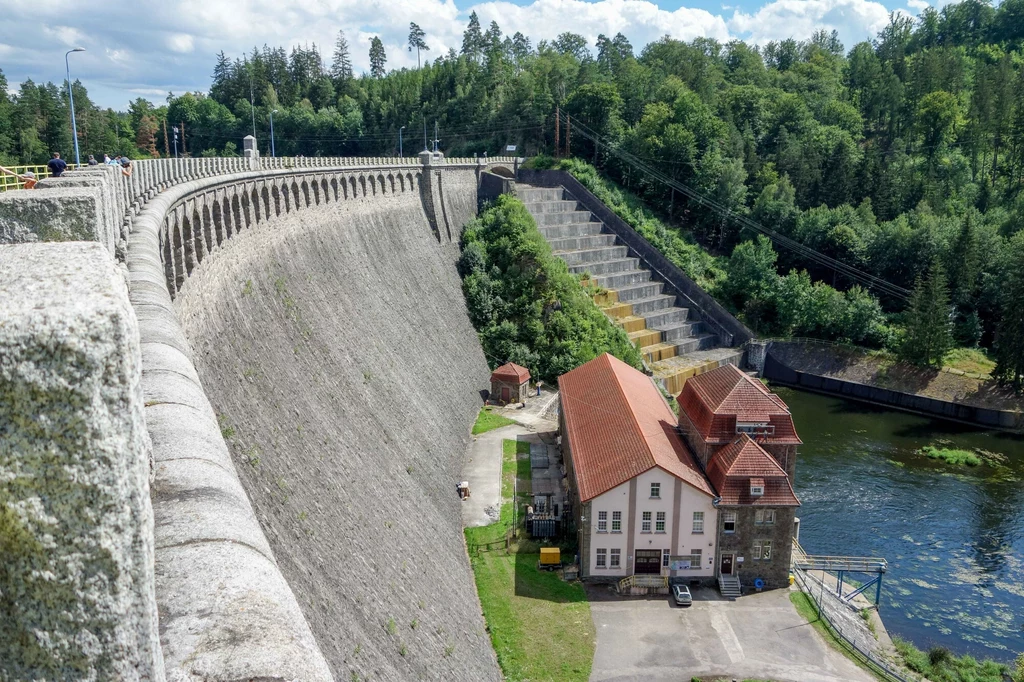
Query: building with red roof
[[510, 383], [744, 438], [640, 501]]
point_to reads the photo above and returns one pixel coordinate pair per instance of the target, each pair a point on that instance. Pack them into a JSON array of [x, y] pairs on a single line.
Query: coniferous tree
[[928, 336], [1009, 345], [341, 67], [416, 41], [473, 39], [377, 57]]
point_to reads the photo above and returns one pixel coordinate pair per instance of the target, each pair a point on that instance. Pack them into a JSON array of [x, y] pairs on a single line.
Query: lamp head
[[274, 111], [78, 49]]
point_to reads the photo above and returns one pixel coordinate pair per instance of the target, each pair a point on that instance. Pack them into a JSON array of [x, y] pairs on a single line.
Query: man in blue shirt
[[56, 165]]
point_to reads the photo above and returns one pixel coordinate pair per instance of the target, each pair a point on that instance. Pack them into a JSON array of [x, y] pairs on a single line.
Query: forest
[[902, 157]]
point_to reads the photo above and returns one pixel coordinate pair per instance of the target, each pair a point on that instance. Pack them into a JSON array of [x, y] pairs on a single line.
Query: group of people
[[57, 166]]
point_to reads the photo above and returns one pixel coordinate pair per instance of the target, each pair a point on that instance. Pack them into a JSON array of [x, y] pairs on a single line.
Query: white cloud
[[172, 45], [855, 20], [182, 43], [918, 4]]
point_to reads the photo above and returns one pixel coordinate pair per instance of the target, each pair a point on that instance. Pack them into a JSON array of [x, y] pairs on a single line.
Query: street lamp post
[[400, 154], [71, 101], [272, 154]]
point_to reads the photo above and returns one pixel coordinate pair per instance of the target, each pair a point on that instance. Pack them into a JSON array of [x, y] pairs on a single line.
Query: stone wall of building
[[774, 572]]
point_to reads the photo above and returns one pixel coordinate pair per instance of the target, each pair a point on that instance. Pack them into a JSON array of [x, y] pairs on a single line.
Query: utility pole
[[71, 101], [400, 154], [167, 147], [426, 147], [184, 147], [568, 135], [558, 148], [435, 135], [252, 105]]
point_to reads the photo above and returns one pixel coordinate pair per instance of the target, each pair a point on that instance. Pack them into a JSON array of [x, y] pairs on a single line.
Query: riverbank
[[881, 380], [849, 363]]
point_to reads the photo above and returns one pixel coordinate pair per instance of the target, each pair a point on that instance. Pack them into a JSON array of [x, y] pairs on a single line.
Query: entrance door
[[505, 394], [726, 564], [647, 562]]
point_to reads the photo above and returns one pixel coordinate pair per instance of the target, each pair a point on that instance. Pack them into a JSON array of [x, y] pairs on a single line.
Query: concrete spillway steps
[[673, 339]]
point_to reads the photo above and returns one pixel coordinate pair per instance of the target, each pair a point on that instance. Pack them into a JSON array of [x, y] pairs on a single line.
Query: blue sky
[[145, 49]]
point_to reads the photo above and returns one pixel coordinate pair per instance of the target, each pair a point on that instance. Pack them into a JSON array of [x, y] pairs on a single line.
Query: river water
[[953, 536]]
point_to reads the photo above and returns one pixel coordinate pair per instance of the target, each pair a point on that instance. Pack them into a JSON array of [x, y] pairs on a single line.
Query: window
[[602, 522], [728, 522], [755, 429], [695, 559], [645, 524], [655, 490], [659, 523], [698, 522], [757, 550], [602, 558], [764, 517], [616, 554], [664, 558], [762, 550], [616, 522]]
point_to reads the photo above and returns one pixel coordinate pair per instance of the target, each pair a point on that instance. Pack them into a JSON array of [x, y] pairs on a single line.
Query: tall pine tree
[[927, 319], [473, 39], [1010, 337], [341, 66], [378, 58], [416, 41]]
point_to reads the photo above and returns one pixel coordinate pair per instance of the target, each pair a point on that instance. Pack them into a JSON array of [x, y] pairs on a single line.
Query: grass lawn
[[939, 665], [974, 360], [488, 421], [540, 626]]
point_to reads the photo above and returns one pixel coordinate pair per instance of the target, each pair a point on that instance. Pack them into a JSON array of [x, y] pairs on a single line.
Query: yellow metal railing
[[10, 182]]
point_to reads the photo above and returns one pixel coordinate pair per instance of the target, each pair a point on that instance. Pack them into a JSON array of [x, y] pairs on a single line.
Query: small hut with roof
[[510, 383]]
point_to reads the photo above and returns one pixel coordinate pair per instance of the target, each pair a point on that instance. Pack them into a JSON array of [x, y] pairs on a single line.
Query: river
[[953, 536]]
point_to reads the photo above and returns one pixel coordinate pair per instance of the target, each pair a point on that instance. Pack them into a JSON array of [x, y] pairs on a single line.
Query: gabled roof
[[510, 371], [743, 463], [619, 426], [728, 391]]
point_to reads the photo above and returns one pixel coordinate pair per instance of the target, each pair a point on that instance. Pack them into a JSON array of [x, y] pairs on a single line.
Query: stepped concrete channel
[[299, 380], [673, 340]]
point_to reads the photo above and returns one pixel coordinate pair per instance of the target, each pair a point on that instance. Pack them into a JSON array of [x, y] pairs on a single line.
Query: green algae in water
[[951, 456]]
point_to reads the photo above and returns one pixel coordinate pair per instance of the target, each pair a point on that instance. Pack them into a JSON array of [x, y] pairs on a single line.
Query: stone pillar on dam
[[77, 596]]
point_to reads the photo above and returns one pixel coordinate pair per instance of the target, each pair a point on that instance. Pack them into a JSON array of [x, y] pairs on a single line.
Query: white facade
[[668, 531]]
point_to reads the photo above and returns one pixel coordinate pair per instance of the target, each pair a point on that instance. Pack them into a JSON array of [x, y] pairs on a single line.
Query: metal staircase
[[672, 339]]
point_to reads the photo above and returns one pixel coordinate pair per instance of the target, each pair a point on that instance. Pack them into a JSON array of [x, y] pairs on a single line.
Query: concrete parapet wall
[[76, 526]]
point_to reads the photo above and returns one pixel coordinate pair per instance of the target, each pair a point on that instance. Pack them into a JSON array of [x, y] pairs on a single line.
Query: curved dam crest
[[335, 347]]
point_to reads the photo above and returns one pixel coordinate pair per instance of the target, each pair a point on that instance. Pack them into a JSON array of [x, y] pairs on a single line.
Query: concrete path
[[483, 471], [760, 636], [540, 413]]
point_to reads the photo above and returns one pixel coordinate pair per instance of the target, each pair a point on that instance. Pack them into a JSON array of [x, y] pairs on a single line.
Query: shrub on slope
[[524, 303]]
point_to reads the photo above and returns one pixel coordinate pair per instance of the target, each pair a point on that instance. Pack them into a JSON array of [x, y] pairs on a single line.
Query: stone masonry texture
[[77, 595], [70, 211], [335, 347]]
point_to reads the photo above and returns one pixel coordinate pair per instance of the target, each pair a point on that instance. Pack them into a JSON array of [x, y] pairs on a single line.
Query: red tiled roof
[[714, 399], [619, 426], [510, 371], [743, 463]]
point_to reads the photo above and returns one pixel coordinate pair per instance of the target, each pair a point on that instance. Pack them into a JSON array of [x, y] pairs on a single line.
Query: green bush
[[524, 303], [940, 665]]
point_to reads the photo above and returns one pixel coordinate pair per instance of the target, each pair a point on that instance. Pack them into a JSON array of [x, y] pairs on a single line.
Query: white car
[[681, 593]]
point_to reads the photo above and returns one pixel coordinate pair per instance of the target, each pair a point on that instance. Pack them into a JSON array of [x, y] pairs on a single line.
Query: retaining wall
[[776, 370]]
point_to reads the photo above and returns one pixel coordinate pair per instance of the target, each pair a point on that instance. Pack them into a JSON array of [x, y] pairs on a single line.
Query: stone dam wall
[[309, 376]]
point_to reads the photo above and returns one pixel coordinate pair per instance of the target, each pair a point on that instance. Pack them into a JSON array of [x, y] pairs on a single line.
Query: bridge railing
[[841, 563]]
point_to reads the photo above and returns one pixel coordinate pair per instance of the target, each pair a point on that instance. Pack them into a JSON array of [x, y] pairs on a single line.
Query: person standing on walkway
[[29, 178], [93, 161], [56, 165]]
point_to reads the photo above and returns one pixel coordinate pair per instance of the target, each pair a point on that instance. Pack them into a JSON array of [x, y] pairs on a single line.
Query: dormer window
[[755, 429], [756, 487]]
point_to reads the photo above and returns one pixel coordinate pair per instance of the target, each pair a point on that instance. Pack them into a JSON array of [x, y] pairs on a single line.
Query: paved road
[[759, 635], [483, 471]]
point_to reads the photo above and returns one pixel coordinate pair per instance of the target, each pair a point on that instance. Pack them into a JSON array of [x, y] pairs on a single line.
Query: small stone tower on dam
[[234, 397]]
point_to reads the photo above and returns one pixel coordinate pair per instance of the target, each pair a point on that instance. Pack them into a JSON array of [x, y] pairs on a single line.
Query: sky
[[140, 48]]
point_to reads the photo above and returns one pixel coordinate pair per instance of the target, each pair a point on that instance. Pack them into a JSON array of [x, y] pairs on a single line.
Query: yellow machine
[[550, 558]]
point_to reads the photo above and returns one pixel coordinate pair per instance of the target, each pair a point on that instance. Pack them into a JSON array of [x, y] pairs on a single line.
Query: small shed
[[510, 383]]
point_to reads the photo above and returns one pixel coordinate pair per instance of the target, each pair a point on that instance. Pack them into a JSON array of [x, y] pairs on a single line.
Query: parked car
[[681, 593]]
